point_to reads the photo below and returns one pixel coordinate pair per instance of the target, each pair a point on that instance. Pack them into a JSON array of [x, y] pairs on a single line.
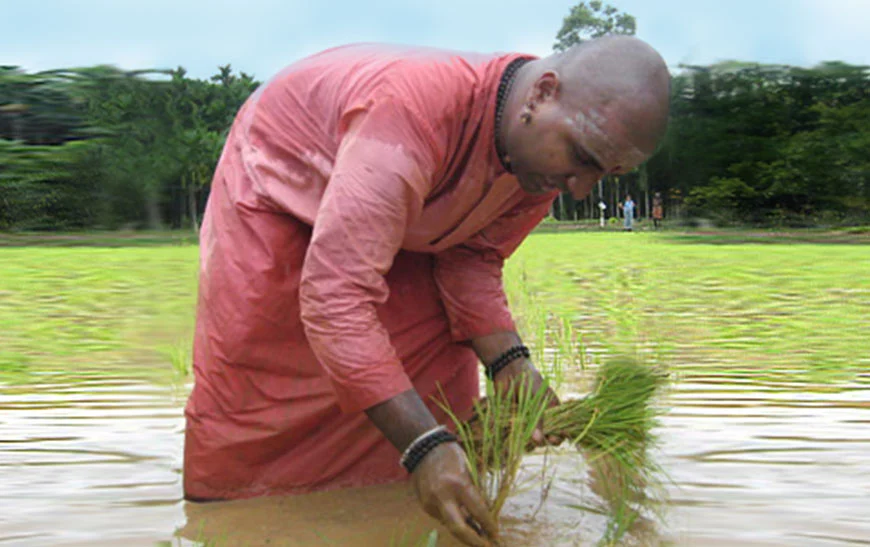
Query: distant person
[[352, 249], [628, 212], [658, 210]]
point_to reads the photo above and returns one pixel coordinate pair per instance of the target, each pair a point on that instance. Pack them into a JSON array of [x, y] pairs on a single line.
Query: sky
[[262, 36]]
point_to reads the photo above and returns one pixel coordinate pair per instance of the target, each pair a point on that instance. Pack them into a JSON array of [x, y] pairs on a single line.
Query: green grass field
[[792, 310], [708, 303], [89, 309]]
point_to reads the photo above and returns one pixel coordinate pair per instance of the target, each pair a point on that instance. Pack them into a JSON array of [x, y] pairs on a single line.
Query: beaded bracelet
[[424, 444], [506, 358]]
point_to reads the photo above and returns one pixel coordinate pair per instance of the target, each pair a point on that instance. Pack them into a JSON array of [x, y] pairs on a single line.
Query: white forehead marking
[[609, 149]]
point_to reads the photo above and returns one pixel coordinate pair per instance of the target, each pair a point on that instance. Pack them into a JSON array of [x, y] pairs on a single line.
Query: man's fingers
[[478, 510], [552, 398], [455, 522], [538, 436]]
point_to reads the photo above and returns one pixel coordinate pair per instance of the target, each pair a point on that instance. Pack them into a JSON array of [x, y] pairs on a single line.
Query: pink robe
[[352, 244]]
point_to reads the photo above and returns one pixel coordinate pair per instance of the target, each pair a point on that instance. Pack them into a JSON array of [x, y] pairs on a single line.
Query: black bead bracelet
[[505, 359], [418, 449]]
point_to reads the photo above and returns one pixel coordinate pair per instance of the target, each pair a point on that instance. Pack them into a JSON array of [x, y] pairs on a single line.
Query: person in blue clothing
[[628, 212]]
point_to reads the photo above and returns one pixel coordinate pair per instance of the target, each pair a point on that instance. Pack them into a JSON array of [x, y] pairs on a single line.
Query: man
[[658, 209], [351, 257], [628, 212]]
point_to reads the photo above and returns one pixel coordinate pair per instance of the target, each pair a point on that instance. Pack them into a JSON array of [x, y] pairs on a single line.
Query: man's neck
[[514, 103]]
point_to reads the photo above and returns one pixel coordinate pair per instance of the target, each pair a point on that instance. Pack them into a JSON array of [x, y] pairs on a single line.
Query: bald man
[[351, 255]]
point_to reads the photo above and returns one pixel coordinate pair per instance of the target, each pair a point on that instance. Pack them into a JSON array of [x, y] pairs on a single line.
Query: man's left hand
[[509, 379]]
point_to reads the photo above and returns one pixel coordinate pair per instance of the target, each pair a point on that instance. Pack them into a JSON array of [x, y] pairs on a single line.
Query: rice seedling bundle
[[614, 422]]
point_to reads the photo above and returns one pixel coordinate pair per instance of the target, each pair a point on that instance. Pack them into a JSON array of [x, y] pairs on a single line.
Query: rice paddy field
[[764, 433], [735, 305]]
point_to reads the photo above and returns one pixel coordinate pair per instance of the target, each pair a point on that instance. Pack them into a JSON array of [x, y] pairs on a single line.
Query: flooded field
[[98, 462], [766, 437]]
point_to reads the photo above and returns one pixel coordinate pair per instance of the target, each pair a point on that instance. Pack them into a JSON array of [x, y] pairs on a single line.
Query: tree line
[[747, 143], [99, 147], [757, 144]]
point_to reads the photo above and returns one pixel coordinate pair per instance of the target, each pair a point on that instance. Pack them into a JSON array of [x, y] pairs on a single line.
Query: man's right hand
[[443, 486], [441, 480]]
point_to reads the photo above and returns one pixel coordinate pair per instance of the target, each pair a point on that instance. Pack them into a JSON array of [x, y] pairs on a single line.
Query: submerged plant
[[497, 437], [180, 359], [617, 418], [612, 426], [429, 539], [620, 416]]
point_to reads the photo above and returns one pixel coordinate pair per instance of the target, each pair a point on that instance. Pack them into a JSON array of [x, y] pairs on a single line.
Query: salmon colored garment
[[353, 240]]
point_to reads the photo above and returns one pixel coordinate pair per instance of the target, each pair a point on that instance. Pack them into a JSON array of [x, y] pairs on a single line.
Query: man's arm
[[402, 419], [469, 278], [469, 275], [376, 189]]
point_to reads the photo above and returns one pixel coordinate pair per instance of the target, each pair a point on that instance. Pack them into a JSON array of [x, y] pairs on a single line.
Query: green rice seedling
[[180, 359], [617, 417], [612, 425], [430, 539], [622, 498], [497, 437], [568, 351], [201, 540]]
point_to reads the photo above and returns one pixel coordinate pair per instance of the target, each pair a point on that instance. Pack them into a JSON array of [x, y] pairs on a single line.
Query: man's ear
[[546, 88]]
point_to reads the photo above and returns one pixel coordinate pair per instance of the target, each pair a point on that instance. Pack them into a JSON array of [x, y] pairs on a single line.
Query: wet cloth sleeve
[[381, 175], [469, 276]]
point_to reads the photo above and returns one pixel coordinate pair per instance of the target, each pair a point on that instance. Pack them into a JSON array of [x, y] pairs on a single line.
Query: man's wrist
[[422, 445], [515, 352]]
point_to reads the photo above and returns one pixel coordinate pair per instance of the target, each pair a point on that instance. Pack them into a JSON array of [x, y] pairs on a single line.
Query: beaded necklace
[[504, 89]]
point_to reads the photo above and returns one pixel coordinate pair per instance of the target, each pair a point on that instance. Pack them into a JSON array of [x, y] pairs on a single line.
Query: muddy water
[[97, 462]]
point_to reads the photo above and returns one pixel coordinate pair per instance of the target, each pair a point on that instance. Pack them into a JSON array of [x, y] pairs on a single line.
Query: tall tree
[[588, 20], [585, 21]]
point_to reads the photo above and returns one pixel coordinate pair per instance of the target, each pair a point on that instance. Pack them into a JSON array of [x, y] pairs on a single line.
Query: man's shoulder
[[411, 54], [438, 84], [432, 67]]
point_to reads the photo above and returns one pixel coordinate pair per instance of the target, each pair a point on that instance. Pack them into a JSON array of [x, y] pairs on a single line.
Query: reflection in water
[[97, 462]]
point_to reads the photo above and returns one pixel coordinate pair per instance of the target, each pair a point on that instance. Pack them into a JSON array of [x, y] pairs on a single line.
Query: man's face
[[570, 148]]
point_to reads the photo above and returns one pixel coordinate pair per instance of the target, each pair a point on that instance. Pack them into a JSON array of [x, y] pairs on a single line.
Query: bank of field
[[751, 306]]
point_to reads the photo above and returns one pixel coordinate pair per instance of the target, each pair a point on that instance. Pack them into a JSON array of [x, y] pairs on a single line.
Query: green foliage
[[761, 142], [43, 187], [36, 108], [588, 20], [721, 193], [100, 147]]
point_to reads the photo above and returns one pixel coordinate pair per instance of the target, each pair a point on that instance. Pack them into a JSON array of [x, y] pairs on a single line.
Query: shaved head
[[597, 108], [618, 75]]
